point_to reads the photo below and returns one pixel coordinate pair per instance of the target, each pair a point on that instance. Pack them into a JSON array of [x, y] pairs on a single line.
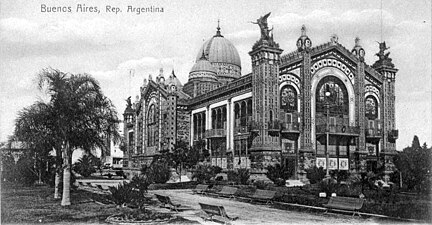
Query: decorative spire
[[218, 33], [203, 56]]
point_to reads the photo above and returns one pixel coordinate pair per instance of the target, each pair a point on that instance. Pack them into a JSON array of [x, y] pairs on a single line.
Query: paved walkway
[[256, 214]]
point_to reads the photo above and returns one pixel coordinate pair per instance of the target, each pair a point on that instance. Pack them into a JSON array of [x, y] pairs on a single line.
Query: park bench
[[345, 203], [166, 201], [228, 191], [100, 187], [89, 184], [263, 195], [200, 189], [216, 212], [80, 183]]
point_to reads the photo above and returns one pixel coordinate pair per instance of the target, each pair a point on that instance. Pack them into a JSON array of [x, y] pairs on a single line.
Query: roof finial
[[303, 30], [203, 56], [218, 33]]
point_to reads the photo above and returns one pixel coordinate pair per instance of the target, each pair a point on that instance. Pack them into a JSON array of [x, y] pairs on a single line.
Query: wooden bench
[[345, 203], [200, 189], [100, 187], [228, 191], [166, 201], [216, 211], [263, 195], [89, 184]]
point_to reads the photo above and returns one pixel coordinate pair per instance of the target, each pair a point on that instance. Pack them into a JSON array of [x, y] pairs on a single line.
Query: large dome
[[219, 50]]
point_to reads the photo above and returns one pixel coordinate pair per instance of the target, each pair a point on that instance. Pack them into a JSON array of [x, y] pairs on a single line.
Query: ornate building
[[319, 105]]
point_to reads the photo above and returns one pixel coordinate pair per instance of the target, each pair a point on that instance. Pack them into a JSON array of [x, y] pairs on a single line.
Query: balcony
[[338, 130], [254, 126], [215, 133], [373, 133], [274, 126], [393, 135], [290, 128]]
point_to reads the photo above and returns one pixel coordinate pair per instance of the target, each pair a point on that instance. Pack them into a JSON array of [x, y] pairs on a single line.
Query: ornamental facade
[[317, 106]]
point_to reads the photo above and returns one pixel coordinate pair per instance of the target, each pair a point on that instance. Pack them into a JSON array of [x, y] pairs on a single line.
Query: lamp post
[[327, 104]]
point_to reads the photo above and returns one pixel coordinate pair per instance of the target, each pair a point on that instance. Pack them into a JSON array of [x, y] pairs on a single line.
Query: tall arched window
[[288, 99], [337, 100], [151, 126], [371, 108]]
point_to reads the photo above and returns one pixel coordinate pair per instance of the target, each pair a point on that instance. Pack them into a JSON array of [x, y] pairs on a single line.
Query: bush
[[24, 172], [158, 172], [243, 176], [85, 166], [315, 174], [278, 174], [204, 173], [260, 184], [122, 194]]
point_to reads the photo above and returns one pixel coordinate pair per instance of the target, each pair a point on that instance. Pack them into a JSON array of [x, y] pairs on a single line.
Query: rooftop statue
[[262, 23], [383, 58], [129, 103]]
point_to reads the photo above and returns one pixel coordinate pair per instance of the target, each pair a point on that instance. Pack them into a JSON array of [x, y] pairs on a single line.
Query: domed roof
[[203, 65], [173, 80], [220, 50]]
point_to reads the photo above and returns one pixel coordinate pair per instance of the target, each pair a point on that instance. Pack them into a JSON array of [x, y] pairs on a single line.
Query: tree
[[86, 165], [35, 125], [414, 163], [182, 156], [82, 116]]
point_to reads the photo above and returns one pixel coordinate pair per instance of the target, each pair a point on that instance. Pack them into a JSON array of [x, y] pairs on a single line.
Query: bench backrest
[[164, 199], [201, 187], [355, 203], [267, 194], [228, 190], [213, 209]]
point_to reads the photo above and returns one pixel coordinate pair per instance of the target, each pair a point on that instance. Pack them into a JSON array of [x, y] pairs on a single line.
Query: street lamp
[[327, 104]]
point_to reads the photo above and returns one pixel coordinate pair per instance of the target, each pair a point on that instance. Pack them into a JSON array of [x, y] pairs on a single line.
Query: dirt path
[[256, 214]]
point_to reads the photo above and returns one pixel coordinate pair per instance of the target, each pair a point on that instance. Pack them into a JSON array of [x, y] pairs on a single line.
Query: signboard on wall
[[213, 161], [321, 162], [333, 163], [236, 163], [343, 164], [224, 163]]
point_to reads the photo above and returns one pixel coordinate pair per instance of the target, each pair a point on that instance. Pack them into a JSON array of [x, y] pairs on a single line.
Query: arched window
[[151, 126], [371, 108], [337, 100], [288, 99]]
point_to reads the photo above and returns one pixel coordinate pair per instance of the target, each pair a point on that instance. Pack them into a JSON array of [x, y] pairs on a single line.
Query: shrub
[[315, 174], [204, 173], [278, 174], [243, 176], [25, 173], [260, 184], [158, 172], [85, 166], [328, 186], [122, 194]]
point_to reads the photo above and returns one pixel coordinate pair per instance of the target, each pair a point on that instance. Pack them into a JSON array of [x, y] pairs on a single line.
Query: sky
[[121, 49]]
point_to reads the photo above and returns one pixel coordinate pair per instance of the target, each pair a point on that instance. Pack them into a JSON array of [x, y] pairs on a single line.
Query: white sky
[[108, 46]]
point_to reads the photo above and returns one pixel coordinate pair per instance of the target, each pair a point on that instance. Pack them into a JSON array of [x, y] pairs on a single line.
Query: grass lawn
[[37, 205], [30, 205]]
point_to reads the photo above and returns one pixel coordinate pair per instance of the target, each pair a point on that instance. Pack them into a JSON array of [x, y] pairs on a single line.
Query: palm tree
[[83, 117]]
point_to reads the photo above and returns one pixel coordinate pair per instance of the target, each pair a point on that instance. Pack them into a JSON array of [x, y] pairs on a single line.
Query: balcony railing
[[338, 129], [290, 128], [274, 126], [393, 135], [373, 133], [215, 133]]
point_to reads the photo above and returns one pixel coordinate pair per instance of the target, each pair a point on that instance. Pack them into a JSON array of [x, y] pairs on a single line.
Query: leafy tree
[[183, 156], [35, 125], [82, 116], [414, 163]]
